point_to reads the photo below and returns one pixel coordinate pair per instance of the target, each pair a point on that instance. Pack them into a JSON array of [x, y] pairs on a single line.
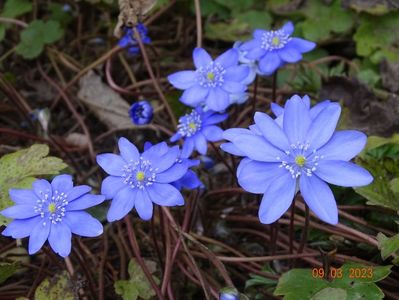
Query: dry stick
[[274, 86], [69, 266], [198, 22], [305, 230], [168, 257], [140, 260], [291, 228], [102, 265], [255, 95], [154, 80]]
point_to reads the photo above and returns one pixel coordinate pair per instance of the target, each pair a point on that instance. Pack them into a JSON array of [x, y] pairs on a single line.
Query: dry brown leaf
[[77, 140], [106, 104]]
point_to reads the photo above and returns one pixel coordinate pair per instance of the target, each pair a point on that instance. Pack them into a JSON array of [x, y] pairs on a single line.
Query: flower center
[[211, 76], [190, 124], [52, 209], [272, 40], [139, 174], [300, 160]]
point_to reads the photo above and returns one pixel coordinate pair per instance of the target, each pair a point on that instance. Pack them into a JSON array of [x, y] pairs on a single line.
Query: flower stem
[[255, 94], [199, 23], [274, 86], [69, 266]]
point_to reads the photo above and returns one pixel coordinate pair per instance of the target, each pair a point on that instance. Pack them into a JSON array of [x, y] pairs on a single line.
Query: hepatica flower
[[272, 49], [141, 113], [197, 128], [52, 212], [213, 81], [128, 40], [139, 180], [304, 153]]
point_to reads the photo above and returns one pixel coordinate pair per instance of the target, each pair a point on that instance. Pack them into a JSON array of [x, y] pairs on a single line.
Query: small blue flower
[[130, 42], [141, 113], [139, 180], [304, 152], [250, 63], [272, 49], [213, 80], [196, 128], [52, 212]]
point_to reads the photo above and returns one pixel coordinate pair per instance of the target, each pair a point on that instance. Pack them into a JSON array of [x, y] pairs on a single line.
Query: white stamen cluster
[[190, 124], [52, 208], [139, 174], [211, 76], [272, 40]]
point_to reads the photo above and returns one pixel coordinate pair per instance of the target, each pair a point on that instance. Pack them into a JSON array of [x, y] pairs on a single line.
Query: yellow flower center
[[210, 76], [51, 208], [276, 41], [300, 160], [140, 176], [192, 125]]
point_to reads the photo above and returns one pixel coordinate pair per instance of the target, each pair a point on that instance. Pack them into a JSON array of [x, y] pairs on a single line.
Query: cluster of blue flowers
[[298, 150]]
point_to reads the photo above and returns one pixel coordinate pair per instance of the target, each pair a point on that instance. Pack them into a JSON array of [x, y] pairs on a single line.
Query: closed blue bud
[[128, 40], [141, 112]]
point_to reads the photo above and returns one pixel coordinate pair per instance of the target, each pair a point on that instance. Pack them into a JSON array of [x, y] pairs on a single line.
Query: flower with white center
[[197, 128], [273, 49], [52, 212], [213, 81], [139, 180], [302, 152]]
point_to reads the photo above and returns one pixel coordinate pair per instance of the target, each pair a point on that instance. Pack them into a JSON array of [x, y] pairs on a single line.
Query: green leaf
[[138, 284], [19, 169], [388, 246], [55, 288], [7, 270], [15, 8], [330, 294]]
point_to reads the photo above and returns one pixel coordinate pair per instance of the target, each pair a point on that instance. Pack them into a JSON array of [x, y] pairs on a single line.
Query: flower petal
[[111, 185], [257, 148], [163, 162], [77, 192], [318, 196], [42, 187], [301, 45], [323, 126], [237, 73], [277, 198], [230, 148], [83, 224], [62, 183], [122, 204], [234, 87], [256, 53], [19, 211], [194, 95], [343, 145], [128, 151], [165, 195], [269, 63], [218, 99], [212, 133], [174, 173], [85, 202], [19, 229], [228, 58], [271, 131], [319, 107], [255, 176], [214, 119], [23, 196], [200, 143], [143, 205], [201, 58], [38, 236], [183, 80], [288, 28], [296, 120], [247, 46], [276, 109], [289, 54], [343, 173], [111, 163], [188, 147], [60, 239]]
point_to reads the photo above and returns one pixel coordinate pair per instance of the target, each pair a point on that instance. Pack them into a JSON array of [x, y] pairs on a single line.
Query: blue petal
[[194, 95], [163, 162], [343, 145], [214, 119], [276, 109], [255, 129], [174, 173], [257, 148], [318, 196], [218, 99], [60, 239], [343, 173], [259, 33], [188, 147], [306, 100], [85, 202], [231, 133], [143, 205], [230, 148], [20, 211], [288, 28], [237, 73], [213, 133], [269, 63], [62, 183], [200, 143], [122, 204], [228, 58], [23, 196], [271, 131], [42, 187], [277, 198], [147, 145], [256, 53], [111, 163], [256, 176], [83, 224], [177, 136], [301, 45], [183, 80], [128, 151], [19, 229], [234, 87], [77, 191], [247, 46], [290, 55], [156, 150], [165, 195], [38, 236], [189, 181], [296, 120], [323, 126], [319, 107], [111, 185], [201, 58]]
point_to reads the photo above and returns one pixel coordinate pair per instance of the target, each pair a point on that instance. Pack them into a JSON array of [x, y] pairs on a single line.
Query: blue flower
[[196, 128], [272, 49], [303, 152], [250, 63], [52, 212], [141, 113], [139, 180], [213, 80], [130, 42]]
